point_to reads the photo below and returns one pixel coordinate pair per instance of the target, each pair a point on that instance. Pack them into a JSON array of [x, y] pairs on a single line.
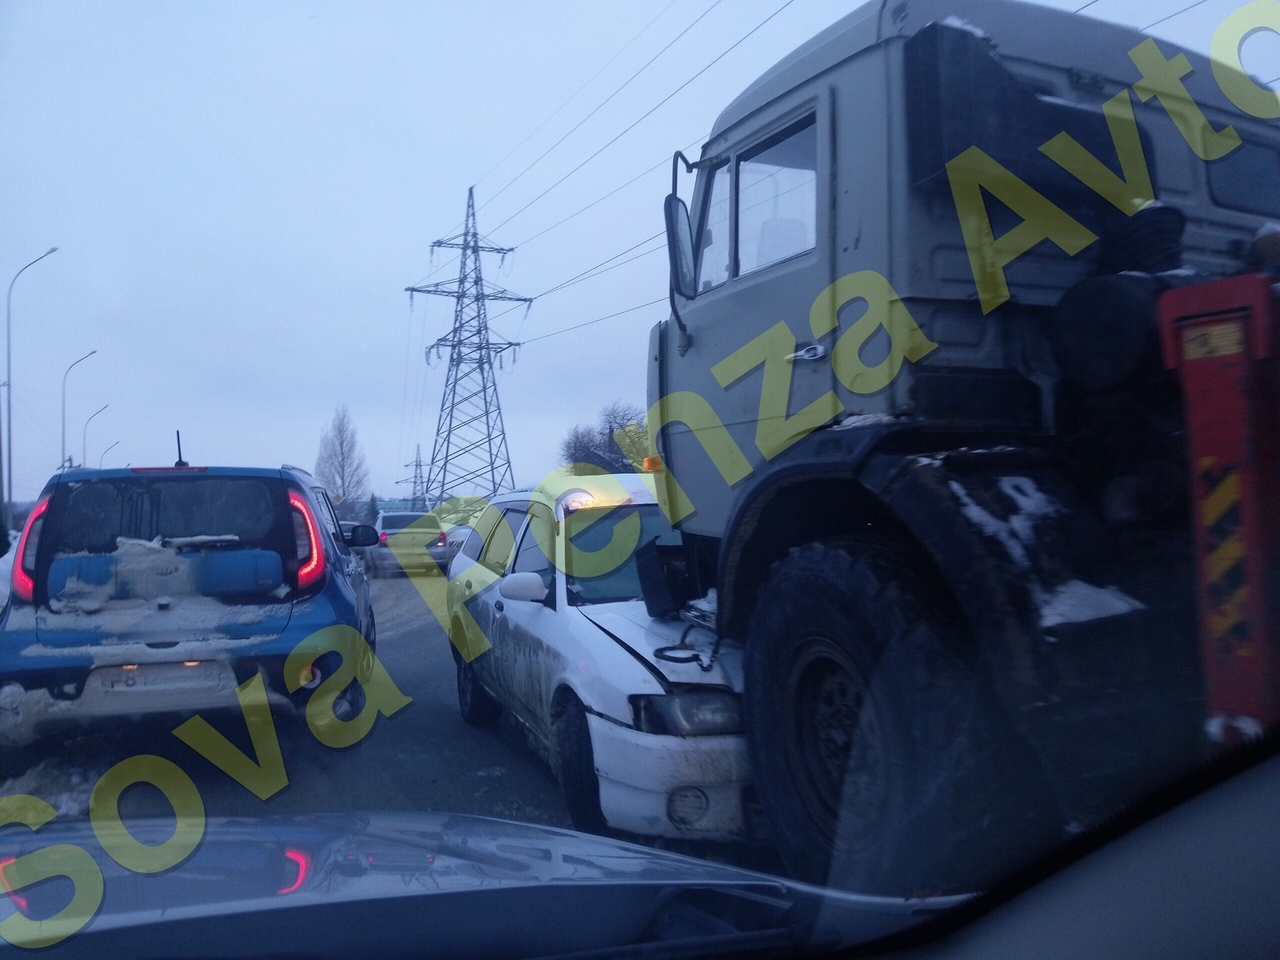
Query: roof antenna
[[180, 462]]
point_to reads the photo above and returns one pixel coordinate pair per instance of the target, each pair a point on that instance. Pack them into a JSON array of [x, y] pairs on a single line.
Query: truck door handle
[[498, 606], [814, 351]]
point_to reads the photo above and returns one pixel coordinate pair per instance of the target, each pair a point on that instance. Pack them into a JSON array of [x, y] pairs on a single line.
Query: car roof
[[566, 492], [81, 474]]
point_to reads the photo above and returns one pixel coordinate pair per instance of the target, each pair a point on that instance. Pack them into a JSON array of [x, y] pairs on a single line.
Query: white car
[[640, 718]]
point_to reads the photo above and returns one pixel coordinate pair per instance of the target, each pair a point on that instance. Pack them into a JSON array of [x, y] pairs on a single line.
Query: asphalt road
[[424, 758]]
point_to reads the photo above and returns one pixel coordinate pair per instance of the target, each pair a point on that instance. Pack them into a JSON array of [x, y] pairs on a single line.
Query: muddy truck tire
[[881, 758]]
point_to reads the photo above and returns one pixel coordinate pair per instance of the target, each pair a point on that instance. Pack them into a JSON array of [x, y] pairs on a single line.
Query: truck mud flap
[[1083, 667]]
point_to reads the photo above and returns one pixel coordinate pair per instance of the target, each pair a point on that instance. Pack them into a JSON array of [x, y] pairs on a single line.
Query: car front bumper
[[645, 779]]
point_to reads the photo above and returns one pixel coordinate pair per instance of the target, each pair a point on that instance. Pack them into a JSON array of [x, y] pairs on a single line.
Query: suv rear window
[[132, 537]]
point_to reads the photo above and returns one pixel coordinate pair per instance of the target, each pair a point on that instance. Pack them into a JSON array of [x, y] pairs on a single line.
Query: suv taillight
[[24, 561], [307, 536], [440, 540], [382, 537]]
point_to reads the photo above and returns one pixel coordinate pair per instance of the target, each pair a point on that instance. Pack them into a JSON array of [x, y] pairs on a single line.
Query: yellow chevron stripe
[[1220, 499], [1225, 556], [1229, 614]]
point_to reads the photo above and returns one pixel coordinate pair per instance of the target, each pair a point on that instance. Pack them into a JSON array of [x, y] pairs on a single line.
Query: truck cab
[[912, 414]]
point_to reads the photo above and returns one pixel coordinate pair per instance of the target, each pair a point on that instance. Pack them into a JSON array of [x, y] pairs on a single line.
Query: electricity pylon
[[418, 492], [469, 456]]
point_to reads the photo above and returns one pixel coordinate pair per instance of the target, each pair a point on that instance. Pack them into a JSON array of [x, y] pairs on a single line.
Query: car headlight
[[689, 713]]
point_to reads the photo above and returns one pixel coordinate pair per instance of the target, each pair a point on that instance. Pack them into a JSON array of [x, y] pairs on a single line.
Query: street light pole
[[8, 376], [105, 452], [84, 437], [63, 462]]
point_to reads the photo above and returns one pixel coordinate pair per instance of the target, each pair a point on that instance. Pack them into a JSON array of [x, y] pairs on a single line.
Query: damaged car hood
[[680, 650]]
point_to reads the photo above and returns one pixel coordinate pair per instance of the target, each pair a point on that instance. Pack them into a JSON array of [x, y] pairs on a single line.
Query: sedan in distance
[[408, 542]]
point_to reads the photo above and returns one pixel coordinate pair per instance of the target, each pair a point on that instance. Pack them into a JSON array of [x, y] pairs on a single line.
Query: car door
[[486, 608], [529, 654]]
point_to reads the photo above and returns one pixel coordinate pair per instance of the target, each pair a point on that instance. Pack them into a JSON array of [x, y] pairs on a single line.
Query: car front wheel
[[475, 703], [578, 768]]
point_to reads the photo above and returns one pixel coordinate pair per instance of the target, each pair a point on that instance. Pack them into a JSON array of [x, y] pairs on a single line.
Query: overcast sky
[[240, 193]]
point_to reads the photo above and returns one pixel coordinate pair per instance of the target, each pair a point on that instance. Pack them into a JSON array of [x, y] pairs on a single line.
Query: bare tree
[[616, 442], [340, 467], [624, 424]]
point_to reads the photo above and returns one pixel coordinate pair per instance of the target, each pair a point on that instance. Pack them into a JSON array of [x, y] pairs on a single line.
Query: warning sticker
[[1212, 340]]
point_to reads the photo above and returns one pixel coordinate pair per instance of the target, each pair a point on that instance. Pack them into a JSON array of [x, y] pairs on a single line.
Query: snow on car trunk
[[156, 593], [165, 561]]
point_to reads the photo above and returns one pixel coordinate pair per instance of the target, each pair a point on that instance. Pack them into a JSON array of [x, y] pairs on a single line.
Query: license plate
[[161, 676]]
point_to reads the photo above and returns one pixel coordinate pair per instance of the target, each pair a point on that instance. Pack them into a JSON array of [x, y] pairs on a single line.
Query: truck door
[[762, 223]]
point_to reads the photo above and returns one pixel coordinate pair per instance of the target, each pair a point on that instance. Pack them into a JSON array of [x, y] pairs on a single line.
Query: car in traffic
[[157, 590], [640, 718], [412, 542]]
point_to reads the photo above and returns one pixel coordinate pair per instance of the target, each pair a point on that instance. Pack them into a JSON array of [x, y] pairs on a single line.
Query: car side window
[[777, 197], [497, 549], [327, 514], [531, 556]]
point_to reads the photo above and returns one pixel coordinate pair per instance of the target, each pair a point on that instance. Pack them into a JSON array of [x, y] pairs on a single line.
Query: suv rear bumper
[[112, 693]]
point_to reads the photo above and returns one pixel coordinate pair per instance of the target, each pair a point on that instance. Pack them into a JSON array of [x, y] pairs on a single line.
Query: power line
[[578, 278], [661, 163], [636, 36], [1172, 15], [579, 326], [599, 106], [1086, 6], [404, 393], [648, 113]]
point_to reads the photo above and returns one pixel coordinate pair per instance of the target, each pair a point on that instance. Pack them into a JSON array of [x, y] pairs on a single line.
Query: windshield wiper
[[203, 540]]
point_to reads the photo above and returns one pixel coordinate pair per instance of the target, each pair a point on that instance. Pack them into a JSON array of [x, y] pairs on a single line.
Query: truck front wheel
[[880, 756]]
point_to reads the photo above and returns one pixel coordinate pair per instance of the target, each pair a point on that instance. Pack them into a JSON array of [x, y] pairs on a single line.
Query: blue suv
[[159, 590]]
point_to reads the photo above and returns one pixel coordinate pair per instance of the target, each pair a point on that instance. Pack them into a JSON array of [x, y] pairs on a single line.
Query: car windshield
[[881, 543], [591, 530]]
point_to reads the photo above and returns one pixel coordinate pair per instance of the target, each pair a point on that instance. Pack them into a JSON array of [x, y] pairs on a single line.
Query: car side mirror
[[526, 585], [361, 535], [679, 246]]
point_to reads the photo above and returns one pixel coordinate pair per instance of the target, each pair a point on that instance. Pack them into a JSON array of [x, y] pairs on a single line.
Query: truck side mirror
[[679, 246]]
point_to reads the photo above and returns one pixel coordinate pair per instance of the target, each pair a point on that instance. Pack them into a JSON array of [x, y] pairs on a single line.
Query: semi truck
[[966, 408]]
